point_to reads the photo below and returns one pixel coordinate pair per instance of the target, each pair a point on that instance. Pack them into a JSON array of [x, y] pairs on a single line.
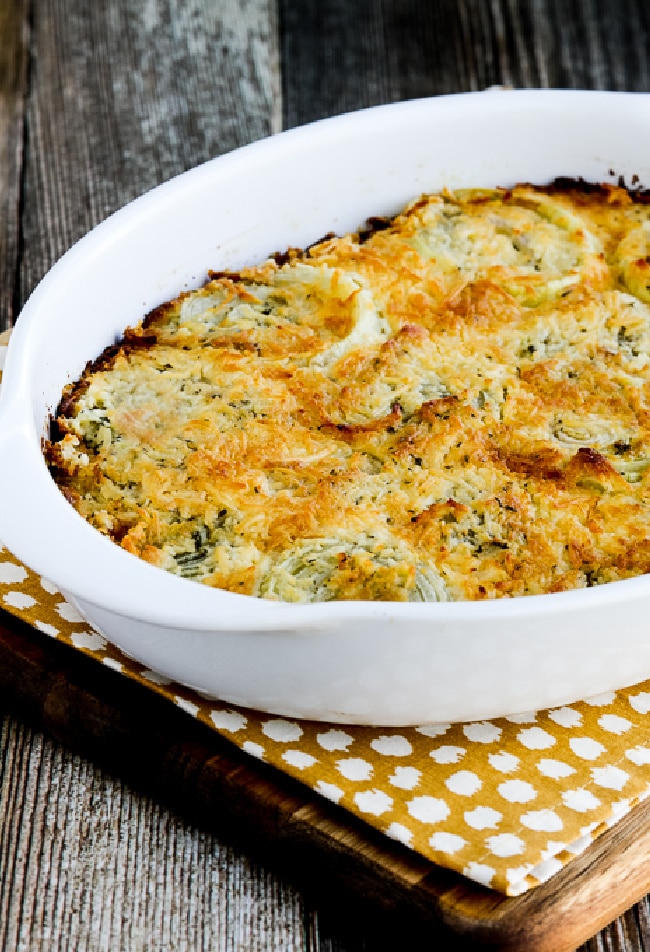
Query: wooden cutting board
[[132, 731]]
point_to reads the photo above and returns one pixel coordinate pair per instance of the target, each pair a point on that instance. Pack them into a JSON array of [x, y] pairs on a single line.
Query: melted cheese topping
[[455, 405]]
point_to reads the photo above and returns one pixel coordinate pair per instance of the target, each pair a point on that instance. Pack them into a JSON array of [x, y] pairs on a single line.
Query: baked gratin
[[452, 404]]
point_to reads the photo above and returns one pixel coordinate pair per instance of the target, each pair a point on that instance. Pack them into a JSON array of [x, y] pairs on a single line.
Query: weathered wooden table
[[99, 102]]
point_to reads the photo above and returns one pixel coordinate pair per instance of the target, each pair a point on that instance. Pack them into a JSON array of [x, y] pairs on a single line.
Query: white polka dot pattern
[[406, 778], [483, 818], [447, 754], [464, 783], [329, 790], [12, 574], [506, 803]]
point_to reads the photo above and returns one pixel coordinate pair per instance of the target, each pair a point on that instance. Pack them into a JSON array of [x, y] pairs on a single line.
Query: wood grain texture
[[124, 872], [337, 56], [98, 102], [14, 73], [124, 95]]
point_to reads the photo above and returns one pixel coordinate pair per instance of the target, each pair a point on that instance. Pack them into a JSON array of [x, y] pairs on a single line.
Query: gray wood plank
[[88, 864], [341, 56], [117, 98], [125, 95], [14, 57]]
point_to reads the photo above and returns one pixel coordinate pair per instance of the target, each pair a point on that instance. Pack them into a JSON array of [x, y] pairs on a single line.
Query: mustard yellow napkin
[[506, 802]]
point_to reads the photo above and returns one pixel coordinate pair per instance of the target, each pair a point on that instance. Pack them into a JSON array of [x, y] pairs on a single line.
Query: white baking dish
[[348, 661]]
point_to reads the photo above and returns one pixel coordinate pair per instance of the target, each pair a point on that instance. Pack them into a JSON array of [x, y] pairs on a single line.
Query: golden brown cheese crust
[[454, 404]]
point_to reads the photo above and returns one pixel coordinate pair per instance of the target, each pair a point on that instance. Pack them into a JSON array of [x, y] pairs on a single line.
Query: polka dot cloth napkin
[[507, 802]]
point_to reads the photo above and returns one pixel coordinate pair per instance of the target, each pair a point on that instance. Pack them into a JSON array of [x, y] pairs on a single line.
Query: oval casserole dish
[[355, 662]]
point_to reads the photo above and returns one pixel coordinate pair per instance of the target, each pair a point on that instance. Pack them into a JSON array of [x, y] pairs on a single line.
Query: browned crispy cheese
[[453, 404]]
